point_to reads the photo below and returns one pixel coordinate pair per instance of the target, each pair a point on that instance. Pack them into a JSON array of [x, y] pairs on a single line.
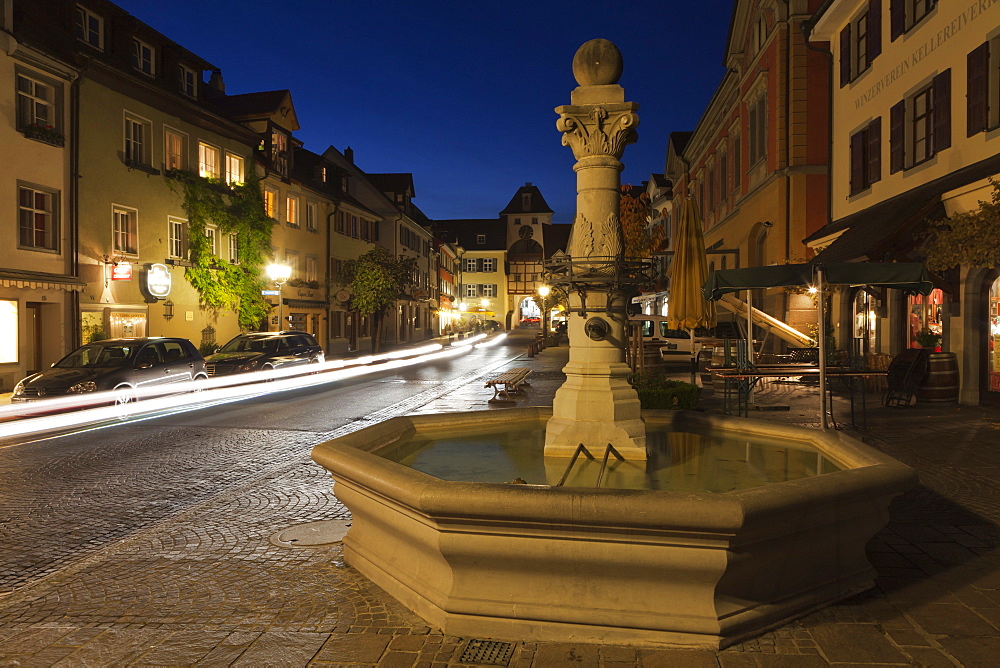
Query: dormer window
[[480, 239], [279, 152], [142, 57], [526, 201], [187, 81], [89, 28]]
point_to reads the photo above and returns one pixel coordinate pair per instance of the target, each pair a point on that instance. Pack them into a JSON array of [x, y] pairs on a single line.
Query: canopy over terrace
[[910, 277]]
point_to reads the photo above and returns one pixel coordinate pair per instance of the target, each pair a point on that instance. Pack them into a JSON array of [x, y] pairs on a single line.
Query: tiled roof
[[538, 204], [253, 105], [393, 183], [556, 237], [466, 232]]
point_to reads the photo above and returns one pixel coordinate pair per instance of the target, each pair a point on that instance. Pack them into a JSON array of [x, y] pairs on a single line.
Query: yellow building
[[916, 136]]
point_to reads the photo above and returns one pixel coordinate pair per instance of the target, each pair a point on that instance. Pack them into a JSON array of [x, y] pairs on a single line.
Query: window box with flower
[[46, 134]]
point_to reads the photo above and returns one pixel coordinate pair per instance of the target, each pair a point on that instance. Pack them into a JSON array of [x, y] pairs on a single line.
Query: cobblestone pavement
[[200, 582]]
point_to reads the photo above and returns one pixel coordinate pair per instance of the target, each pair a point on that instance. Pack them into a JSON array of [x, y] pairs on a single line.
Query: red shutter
[[874, 29], [857, 163], [875, 150], [977, 115], [942, 110], [845, 56], [897, 19], [897, 149]]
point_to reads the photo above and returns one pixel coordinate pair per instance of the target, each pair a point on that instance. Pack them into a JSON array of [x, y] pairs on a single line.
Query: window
[[187, 81], [234, 169], [279, 152], [311, 215], [234, 249], [488, 290], [212, 234], [470, 264], [174, 149], [310, 268], [354, 227], [489, 264], [271, 203], [737, 161], [340, 222], [89, 28], [35, 103], [177, 246], [983, 87], [292, 260], [711, 190], [866, 156], [759, 36], [142, 57], [208, 161], [471, 290], [292, 211], [861, 42], [920, 125], [723, 175], [480, 239], [124, 228], [758, 129], [904, 14], [534, 221], [36, 211], [136, 146], [526, 201]]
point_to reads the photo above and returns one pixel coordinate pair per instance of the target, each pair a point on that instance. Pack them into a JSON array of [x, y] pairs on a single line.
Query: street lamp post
[[279, 273], [543, 292]]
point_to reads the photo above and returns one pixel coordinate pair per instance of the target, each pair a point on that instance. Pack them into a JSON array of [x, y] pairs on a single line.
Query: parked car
[[261, 351], [121, 365]]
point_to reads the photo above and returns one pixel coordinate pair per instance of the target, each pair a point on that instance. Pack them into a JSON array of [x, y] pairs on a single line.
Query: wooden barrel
[[940, 385]]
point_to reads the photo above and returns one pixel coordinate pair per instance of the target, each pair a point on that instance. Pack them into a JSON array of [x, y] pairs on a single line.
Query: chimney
[[216, 82], [349, 154]]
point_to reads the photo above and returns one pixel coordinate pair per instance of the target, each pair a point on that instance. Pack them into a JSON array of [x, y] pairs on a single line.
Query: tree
[[971, 238], [377, 280], [636, 215]]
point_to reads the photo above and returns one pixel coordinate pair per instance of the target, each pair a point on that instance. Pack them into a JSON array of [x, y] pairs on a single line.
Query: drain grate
[[489, 652]]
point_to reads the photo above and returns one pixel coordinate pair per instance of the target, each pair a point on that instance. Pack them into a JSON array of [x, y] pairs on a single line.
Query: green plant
[[237, 209], [377, 280], [928, 339], [971, 238], [658, 392], [207, 348]]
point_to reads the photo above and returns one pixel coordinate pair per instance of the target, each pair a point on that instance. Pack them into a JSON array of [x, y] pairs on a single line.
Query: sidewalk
[[208, 587]]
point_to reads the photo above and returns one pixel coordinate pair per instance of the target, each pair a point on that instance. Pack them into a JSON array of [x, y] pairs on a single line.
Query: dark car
[[121, 365], [262, 351]]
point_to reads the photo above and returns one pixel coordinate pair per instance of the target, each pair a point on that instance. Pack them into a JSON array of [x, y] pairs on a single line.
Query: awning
[[910, 277], [306, 303], [36, 280]]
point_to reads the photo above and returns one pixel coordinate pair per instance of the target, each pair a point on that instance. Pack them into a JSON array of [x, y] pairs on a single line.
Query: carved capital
[[592, 130], [603, 240]]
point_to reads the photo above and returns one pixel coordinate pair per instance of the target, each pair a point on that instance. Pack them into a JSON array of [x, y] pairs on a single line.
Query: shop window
[[8, 331], [866, 321], [993, 345], [925, 313]]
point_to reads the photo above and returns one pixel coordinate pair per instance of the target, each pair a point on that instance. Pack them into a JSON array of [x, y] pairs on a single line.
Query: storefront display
[[925, 313], [993, 338]]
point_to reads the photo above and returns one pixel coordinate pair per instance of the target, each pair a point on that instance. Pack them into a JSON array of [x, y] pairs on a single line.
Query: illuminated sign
[[121, 271], [158, 280]]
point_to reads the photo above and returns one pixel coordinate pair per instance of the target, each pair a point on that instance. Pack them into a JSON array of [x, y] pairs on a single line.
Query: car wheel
[[124, 400], [199, 383], [268, 369]]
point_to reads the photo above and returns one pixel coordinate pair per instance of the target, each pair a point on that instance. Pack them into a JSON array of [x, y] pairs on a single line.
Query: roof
[[555, 237], [393, 183], [264, 104], [304, 169], [467, 230], [537, 203]]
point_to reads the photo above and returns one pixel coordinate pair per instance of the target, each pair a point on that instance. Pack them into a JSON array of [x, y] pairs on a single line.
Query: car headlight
[[19, 389], [88, 386]]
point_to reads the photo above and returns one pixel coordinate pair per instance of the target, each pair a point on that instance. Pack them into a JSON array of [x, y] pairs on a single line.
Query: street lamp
[[279, 273], [543, 292]]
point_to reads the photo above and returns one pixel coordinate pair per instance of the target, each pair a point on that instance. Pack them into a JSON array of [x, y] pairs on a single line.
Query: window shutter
[[874, 29], [857, 163], [942, 110], [845, 58], [479, 264], [897, 150], [977, 110], [897, 19], [496, 293], [875, 150]]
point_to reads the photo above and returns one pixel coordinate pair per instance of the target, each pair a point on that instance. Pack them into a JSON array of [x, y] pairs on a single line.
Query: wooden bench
[[507, 383]]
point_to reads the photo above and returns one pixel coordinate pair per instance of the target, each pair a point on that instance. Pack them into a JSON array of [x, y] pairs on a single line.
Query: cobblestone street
[[200, 582]]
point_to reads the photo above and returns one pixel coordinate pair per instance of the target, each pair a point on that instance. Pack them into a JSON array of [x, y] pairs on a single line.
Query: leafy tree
[[971, 238], [377, 280], [237, 209], [636, 214]]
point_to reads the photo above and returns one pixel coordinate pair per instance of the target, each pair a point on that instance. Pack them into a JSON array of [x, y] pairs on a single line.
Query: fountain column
[[596, 405]]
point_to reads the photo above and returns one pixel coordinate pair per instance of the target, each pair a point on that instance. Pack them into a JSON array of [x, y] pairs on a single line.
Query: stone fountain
[[705, 530]]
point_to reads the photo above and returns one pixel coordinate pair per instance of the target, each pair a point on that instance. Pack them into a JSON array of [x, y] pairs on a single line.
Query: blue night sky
[[460, 94]]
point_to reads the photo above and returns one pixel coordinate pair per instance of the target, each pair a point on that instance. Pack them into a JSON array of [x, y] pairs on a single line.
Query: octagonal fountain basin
[[731, 527]]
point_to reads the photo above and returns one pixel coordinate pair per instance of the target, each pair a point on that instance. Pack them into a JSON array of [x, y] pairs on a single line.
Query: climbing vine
[[971, 238], [237, 209]]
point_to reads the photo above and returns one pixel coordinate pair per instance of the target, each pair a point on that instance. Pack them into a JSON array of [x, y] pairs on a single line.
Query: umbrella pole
[[694, 363], [824, 424], [750, 326]]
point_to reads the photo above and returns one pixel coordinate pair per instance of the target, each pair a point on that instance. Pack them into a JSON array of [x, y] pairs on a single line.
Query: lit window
[[292, 260], [143, 57], [292, 211], [270, 203], [234, 169], [9, 327], [234, 249], [125, 231], [208, 161], [89, 28], [35, 103], [178, 238], [279, 152], [36, 218], [187, 80], [136, 146], [174, 149]]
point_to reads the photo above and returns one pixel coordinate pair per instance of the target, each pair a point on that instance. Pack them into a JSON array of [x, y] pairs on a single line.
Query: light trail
[[190, 395]]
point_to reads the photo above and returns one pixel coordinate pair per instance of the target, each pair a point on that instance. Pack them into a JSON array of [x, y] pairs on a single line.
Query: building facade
[[916, 137]]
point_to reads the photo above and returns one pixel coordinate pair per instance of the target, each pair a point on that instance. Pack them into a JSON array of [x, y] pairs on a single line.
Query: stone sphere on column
[[597, 63]]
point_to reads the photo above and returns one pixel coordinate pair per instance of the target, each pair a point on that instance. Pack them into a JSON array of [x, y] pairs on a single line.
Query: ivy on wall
[[239, 210], [971, 238]]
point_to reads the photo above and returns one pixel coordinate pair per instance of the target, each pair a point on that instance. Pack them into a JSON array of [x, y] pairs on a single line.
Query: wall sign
[[121, 271], [158, 280]]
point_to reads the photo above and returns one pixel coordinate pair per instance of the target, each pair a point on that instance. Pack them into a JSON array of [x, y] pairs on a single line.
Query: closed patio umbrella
[[687, 307]]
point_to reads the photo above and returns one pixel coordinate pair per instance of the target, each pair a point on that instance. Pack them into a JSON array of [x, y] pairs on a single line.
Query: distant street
[[67, 497]]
